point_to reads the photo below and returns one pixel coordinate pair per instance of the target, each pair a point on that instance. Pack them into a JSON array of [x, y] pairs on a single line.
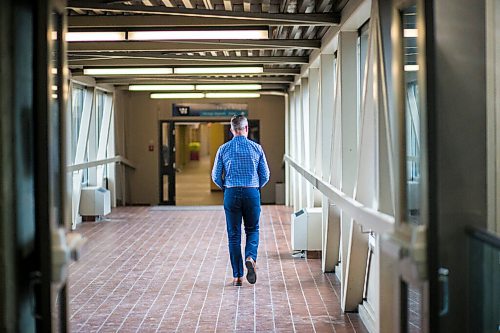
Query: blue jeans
[[242, 202]]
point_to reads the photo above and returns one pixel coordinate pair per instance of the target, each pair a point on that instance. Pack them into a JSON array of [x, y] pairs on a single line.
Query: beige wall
[[142, 116]]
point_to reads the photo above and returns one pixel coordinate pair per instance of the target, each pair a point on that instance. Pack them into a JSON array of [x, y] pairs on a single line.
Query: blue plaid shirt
[[240, 162]]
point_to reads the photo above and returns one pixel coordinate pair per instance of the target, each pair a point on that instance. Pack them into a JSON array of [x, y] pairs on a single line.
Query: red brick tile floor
[[166, 269]]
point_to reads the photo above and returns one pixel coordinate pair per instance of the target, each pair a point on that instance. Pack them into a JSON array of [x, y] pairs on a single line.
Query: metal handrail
[[86, 165], [484, 235], [368, 217]]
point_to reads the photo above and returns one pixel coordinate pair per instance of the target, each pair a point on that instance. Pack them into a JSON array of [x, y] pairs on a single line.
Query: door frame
[[169, 170], [416, 242], [51, 309], [172, 149]]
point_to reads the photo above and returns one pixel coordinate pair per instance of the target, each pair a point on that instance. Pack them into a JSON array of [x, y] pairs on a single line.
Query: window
[[78, 94], [362, 56], [99, 111], [412, 113]]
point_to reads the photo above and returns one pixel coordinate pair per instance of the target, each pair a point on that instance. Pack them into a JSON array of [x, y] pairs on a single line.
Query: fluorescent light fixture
[[411, 68], [218, 70], [233, 95], [127, 71], [176, 95], [54, 96], [95, 36], [54, 87], [228, 87], [161, 87], [410, 33], [198, 34]]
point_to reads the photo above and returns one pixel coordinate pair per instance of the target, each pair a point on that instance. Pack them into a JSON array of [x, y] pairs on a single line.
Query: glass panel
[[166, 169], [165, 150], [362, 50], [412, 114], [100, 96], [484, 286], [76, 117]]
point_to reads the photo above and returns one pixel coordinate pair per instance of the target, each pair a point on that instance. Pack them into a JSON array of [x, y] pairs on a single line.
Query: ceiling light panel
[[161, 87], [176, 95], [95, 36], [218, 70], [198, 34], [233, 95], [228, 87], [127, 71]]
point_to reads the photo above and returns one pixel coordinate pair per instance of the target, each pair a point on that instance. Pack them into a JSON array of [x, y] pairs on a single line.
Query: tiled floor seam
[[156, 272], [283, 276], [112, 245], [267, 220], [93, 237], [117, 270], [173, 296], [209, 284], [222, 296], [199, 270], [163, 285], [144, 271], [121, 281], [297, 274], [122, 253]]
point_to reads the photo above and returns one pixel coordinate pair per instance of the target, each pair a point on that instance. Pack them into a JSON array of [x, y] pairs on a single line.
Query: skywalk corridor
[[166, 269]]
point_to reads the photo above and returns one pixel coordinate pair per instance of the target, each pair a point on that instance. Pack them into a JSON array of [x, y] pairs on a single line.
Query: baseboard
[[367, 316]]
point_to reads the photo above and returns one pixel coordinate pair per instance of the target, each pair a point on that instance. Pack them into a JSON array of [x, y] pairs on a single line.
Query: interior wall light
[[199, 34], [95, 36], [127, 71], [176, 95], [228, 87], [161, 87], [219, 70]]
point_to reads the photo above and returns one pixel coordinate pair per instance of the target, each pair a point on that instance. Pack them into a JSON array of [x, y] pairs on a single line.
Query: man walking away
[[240, 170]]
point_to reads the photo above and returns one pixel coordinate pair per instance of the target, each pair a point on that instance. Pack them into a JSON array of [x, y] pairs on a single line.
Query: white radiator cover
[[95, 201], [306, 229]]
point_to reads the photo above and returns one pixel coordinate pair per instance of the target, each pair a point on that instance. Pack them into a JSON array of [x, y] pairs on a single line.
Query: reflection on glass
[[165, 150], [412, 113], [76, 116]]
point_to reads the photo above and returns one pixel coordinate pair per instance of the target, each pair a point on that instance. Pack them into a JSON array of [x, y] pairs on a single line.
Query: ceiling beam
[[199, 60], [195, 45], [257, 18]]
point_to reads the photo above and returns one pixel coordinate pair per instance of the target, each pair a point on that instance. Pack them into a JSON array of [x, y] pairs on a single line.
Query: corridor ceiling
[[295, 29]]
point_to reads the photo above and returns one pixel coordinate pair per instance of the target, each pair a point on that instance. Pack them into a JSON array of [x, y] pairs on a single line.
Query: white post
[[298, 192], [307, 200], [354, 242], [81, 146], [103, 137]]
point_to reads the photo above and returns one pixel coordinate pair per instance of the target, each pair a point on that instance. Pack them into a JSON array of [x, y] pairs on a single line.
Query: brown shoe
[[237, 282], [251, 272]]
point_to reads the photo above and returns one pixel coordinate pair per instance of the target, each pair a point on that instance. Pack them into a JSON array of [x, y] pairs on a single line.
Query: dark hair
[[238, 122]]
